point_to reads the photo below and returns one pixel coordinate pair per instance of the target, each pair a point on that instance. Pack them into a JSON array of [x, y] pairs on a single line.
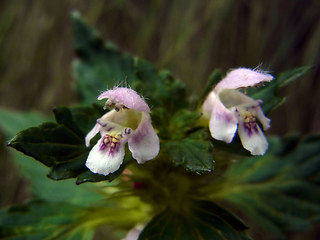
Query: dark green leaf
[[202, 220], [160, 88], [102, 66], [186, 144], [43, 220], [279, 191], [43, 188], [269, 93], [60, 145], [192, 154]]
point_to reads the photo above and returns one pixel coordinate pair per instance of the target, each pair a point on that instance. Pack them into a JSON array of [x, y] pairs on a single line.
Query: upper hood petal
[[127, 97], [243, 77]]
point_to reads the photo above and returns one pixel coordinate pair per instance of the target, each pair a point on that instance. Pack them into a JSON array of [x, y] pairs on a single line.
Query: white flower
[[229, 110], [130, 122]]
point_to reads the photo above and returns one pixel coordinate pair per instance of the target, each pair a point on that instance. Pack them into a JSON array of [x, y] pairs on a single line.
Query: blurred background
[[191, 38]]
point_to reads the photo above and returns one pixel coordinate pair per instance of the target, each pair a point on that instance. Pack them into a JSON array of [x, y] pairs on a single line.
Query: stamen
[[111, 103], [127, 131], [112, 142], [249, 122]]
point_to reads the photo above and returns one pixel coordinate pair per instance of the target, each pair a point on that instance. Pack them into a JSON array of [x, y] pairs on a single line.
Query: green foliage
[[279, 191], [186, 145], [44, 220], [61, 145], [202, 220], [102, 66], [193, 153], [269, 94], [42, 187]]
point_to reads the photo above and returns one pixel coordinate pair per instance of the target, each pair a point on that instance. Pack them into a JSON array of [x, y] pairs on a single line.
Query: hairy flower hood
[[129, 122], [228, 110]]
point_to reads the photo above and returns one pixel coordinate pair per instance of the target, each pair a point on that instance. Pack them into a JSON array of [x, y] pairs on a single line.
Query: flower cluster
[[226, 108]]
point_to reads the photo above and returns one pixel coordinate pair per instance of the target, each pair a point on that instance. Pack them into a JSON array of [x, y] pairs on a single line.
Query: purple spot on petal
[[127, 131], [110, 143], [228, 118], [251, 127], [101, 124]]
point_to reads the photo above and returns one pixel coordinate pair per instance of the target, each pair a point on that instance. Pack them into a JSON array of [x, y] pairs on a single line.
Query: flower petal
[[262, 118], [102, 162], [233, 98], [92, 133], [243, 77], [223, 122], [144, 143], [208, 104], [252, 138], [127, 97]]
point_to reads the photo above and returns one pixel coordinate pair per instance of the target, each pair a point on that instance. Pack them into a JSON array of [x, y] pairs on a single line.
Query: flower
[[130, 122], [229, 110]]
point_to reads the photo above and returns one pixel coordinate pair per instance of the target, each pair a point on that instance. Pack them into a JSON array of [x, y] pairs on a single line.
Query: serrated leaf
[[269, 93], [61, 145], [43, 220], [192, 154], [279, 191], [203, 220], [186, 144], [102, 66], [41, 187]]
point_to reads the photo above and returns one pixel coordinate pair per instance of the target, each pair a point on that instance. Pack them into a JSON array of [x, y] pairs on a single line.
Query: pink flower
[[229, 110], [130, 122]]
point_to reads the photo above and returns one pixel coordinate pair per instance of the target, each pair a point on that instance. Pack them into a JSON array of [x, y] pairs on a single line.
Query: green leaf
[[202, 220], [269, 93], [44, 220], [191, 153], [102, 66], [279, 191], [61, 145], [186, 144], [160, 88], [43, 188]]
